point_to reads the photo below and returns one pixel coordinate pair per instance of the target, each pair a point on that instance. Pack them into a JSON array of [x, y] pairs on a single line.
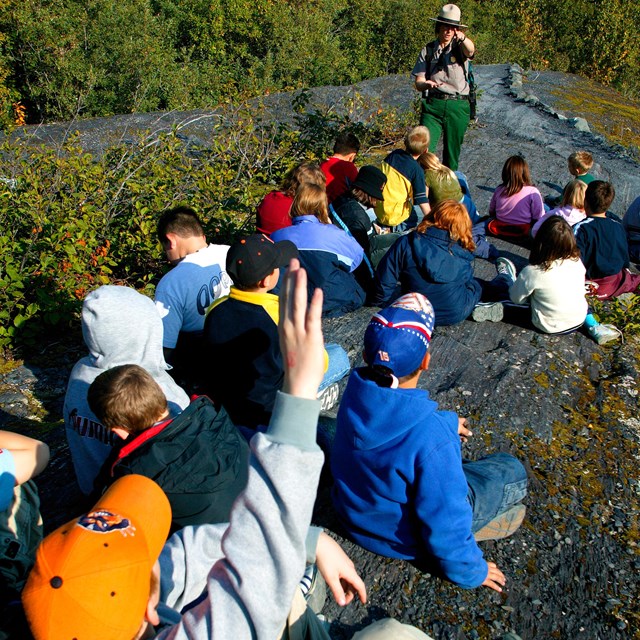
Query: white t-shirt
[[184, 294], [556, 296]]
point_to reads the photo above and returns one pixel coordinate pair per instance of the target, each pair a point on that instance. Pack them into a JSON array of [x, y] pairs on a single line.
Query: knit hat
[[91, 579], [255, 257], [450, 15], [371, 180], [398, 337]]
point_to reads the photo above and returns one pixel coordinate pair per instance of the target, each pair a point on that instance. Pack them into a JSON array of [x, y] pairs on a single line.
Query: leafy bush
[[70, 222], [623, 313], [78, 57]]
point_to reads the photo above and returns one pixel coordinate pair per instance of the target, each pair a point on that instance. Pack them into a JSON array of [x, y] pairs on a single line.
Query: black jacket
[[199, 459]]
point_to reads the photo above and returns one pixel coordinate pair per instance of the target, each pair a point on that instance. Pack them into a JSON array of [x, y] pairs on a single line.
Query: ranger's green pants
[[449, 118]]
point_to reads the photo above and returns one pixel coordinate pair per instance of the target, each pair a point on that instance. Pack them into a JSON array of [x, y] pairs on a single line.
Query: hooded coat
[[399, 487], [432, 264], [119, 326]]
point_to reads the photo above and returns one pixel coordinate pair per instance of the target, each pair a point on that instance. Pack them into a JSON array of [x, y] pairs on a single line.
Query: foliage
[[623, 313], [319, 126], [64, 58], [70, 222], [595, 38]]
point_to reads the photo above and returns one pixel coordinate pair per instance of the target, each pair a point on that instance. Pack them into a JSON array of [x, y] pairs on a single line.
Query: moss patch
[[585, 476], [609, 113]]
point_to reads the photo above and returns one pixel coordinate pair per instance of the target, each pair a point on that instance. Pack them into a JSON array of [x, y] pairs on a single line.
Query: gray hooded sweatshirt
[[119, 326]]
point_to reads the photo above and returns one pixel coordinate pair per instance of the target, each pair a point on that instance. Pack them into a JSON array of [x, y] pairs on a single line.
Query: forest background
[[70, 221], [60, 59]]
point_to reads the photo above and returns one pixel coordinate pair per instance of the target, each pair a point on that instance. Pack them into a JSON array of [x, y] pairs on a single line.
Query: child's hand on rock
[[463, 432]]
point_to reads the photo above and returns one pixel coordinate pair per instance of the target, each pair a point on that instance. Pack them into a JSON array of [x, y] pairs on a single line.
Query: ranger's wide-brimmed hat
[[450, 14]]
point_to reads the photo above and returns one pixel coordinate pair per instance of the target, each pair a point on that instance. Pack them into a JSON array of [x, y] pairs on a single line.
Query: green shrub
[[70, 222], [63, 59], [622, 313]]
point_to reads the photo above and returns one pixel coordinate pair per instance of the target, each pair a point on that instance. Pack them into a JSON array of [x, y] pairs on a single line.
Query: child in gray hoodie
[[119, 326]]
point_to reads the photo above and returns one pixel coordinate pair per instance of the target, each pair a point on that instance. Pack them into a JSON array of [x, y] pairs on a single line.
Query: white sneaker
[[329, 396], [603, 333], [504, 265], [488, 312]]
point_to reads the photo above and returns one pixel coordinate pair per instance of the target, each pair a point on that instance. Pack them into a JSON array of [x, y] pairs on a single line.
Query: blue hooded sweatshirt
[[432, 264], [400, 490]]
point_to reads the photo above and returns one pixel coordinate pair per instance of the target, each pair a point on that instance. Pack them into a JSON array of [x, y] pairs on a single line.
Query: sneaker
[[503, 525], [329, 396], [488, 311], [603, 333], [627, 298], [505, 266], [314, 588]]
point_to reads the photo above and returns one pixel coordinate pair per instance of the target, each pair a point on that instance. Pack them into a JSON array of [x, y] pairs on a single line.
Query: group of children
[[435, 256], [234, 471]]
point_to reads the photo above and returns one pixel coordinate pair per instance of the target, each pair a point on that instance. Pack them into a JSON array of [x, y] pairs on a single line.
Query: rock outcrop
[[564, 405]]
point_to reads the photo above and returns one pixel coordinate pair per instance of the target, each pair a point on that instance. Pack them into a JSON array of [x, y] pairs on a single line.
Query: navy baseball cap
[[251, 259]]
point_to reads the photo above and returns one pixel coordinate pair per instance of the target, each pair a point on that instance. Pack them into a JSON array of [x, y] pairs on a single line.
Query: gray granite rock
[[565, 406]]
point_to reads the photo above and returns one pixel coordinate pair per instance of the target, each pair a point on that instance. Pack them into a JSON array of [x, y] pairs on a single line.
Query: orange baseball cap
[[91, 579]]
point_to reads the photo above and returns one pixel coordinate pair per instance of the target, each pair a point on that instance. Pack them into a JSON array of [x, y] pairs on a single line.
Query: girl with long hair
[[328, 253], [571, 207], [273, 212], [516, 204], [553, 284], [445, 184]]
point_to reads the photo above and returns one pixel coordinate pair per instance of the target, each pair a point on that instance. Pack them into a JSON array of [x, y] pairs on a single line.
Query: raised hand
[[300, 333]]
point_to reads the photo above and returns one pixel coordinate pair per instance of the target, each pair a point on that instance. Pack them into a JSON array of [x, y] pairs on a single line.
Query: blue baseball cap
[[398, 337]]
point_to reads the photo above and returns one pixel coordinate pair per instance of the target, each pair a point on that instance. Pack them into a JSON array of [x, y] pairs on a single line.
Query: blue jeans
[[339, 365], [466, 197], [496, 483], [415, 217], [496, 290]]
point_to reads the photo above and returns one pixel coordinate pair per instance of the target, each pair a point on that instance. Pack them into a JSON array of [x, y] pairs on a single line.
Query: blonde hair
[[305, 172], [580, 162], [430, 162], [450, 216], [416, 140], [573, 194], [311, 200]]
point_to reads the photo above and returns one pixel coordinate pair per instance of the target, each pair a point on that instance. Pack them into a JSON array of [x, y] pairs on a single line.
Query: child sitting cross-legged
[[199, 458], [445, 184], [402, 488], [241, 337], [516, 204], [553, 284], [571, 207], [603, 246]]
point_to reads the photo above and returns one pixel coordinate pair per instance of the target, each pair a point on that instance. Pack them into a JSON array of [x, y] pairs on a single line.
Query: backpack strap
[[342, 224]]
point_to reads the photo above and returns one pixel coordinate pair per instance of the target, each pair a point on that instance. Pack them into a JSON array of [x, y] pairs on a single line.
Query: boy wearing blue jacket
[[402, 488]]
